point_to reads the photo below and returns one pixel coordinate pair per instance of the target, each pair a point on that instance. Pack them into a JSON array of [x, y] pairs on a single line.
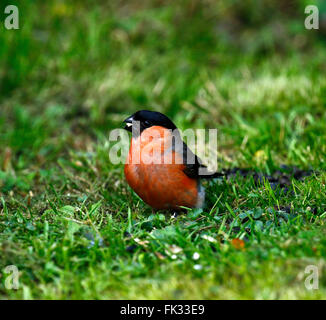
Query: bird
[[160, 167]]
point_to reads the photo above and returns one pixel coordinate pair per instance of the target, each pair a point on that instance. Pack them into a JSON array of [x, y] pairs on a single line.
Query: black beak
[[128, 123]]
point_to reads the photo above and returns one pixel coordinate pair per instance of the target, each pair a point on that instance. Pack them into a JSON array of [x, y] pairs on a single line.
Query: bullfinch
[[160, 167]]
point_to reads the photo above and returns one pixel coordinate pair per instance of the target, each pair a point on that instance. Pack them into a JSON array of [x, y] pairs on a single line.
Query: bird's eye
[[147, 123]]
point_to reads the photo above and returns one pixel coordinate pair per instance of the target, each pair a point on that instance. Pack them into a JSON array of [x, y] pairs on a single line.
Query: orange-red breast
[[160, 167]]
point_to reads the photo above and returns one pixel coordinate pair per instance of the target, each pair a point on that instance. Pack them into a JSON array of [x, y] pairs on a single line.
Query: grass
[[68, 220]]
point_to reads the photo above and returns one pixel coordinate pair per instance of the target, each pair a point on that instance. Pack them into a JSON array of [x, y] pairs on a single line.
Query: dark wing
[[193, 165], [194, 168]]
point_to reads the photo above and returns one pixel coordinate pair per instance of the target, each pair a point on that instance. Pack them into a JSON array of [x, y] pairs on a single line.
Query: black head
[[148, 119]]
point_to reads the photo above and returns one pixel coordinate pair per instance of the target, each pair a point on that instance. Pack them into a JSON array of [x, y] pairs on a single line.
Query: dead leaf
[[143, 243], [7, 159], [238, 243], [175, 249], [160, 255]]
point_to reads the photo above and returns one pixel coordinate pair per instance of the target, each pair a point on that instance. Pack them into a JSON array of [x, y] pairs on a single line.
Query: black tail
[[209, 175]]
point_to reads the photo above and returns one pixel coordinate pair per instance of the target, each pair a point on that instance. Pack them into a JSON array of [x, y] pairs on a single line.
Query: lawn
[[76, 69]]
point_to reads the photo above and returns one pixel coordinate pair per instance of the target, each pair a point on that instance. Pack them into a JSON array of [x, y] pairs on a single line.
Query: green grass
[[68, 219]]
